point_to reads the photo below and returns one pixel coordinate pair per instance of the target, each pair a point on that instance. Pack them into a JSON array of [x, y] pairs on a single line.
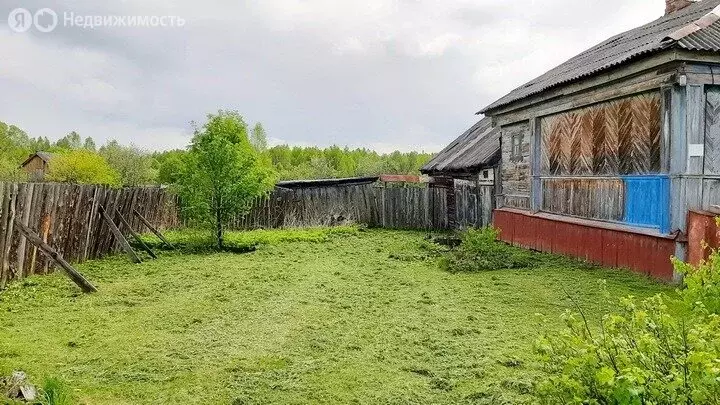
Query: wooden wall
[[593, 198], [66, 217], [515, 172], [414, 207], [619, 137]]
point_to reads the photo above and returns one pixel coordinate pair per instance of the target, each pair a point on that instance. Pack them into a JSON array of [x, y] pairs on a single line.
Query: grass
[[344, 316]]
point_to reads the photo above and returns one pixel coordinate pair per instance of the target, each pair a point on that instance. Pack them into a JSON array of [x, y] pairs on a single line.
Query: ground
[[364, 317]]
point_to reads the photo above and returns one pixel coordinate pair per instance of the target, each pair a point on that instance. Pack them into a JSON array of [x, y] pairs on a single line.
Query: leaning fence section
[[66, 217], [377, 205]]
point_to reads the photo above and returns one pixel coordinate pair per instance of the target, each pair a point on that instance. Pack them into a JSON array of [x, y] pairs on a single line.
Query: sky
[[380, 74]]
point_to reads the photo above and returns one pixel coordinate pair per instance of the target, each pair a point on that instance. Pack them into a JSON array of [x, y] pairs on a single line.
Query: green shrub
[[658, 351], [481, 251], [55, 392]]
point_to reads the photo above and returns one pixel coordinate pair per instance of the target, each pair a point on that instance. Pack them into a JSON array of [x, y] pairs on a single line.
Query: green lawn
[[364, 317]]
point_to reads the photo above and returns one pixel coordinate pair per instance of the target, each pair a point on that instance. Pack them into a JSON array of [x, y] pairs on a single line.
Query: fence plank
[[76, 277]]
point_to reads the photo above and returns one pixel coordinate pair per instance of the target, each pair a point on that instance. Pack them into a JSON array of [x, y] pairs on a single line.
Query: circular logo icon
[[20, 20], [45, 20]]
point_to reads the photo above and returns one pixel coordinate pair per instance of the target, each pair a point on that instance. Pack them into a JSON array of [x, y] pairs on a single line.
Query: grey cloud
[[406, 74]]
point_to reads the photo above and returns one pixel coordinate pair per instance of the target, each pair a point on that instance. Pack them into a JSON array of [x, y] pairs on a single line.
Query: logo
[[45, 20], [21, 19]]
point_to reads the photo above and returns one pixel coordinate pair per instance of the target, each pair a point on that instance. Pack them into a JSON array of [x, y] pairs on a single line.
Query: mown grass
[[344, 316]]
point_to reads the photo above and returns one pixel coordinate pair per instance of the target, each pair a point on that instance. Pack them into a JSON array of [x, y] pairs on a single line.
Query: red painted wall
[[609, 245], [703, 235]]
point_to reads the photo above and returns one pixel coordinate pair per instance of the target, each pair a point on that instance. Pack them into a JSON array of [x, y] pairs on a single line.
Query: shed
[[604, 155], [472, 156], [470, 161], [37, 165]]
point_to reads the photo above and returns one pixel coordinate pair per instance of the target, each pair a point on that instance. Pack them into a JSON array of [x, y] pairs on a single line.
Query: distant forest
[[79, 159]]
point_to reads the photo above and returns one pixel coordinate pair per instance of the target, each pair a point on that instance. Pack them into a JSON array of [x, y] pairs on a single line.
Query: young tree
[[223, 173]]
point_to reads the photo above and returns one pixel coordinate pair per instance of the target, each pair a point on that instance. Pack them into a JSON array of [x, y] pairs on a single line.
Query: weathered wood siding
[[712, 131], [613, 138], [35, 169], [515, 171], [594, 198], [376, 206], [66, 217]]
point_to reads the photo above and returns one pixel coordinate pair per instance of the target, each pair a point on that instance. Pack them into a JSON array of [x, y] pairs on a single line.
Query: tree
[[223, 173], [83, 167], [89, 144], [133, 164], [70, 141], [258, 138], [170, 166]]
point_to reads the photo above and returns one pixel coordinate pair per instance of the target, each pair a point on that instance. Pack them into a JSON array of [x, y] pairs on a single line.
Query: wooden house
[[604, 156], [472, 160], [37, 165]]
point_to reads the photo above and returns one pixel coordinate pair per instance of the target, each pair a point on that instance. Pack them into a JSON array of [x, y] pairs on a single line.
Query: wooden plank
[[153, 229], [134, 234], [712, 130], [6, 200], [695, 126], [119, 237], [73, 274], [26, 197]]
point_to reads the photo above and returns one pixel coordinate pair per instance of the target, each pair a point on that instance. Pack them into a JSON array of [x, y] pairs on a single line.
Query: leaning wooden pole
[[134, 234], [74, 275], [152, 229], [119, 236]]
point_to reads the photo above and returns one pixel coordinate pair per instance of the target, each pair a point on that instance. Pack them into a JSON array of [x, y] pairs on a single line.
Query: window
[[486, 174], [516, 141]]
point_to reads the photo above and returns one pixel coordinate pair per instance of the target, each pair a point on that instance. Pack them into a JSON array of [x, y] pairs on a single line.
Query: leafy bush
[[658, 351], [481, 251]]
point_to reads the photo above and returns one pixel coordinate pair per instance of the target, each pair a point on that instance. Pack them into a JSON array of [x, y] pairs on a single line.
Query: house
[[604, 156], [471, 160], [37, 165]]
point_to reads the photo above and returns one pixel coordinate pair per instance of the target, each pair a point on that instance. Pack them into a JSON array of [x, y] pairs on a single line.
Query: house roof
[[476, 149], [45, 156], [695, 28]]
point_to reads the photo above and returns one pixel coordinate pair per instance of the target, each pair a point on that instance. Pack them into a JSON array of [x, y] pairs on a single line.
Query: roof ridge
[[695, 26]]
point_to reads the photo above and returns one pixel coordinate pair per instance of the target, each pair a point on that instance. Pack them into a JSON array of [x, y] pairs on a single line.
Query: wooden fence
[[415, 207], [66, 216]]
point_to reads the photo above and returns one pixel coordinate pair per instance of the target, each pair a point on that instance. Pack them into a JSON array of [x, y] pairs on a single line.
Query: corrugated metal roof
[[476, 149], [351, 181], [689, 25]]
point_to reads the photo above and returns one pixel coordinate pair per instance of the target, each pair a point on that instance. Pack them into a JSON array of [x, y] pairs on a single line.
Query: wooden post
[[8, 218], [153, 230], [76, 277], [119, 236], [134, 234]]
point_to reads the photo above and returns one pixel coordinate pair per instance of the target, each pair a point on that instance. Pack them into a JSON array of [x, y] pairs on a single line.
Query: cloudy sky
[[383, 74]]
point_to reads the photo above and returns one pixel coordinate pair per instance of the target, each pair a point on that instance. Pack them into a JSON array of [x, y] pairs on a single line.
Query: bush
[[481, 251], [647, 353], [55, 392]]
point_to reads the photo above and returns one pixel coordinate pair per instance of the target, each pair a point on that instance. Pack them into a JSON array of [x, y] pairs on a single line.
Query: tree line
[[78, 159]]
